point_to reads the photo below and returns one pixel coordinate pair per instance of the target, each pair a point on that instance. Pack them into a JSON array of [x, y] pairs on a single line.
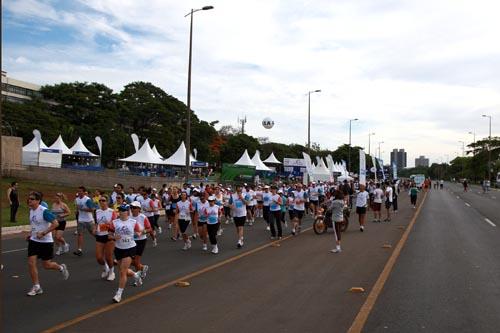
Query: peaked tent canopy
[[79, 147], [272, 159], [179, 157], [157, 153], [33, 146], [245, 160], [144, 155], [61, 146], [259, 165]]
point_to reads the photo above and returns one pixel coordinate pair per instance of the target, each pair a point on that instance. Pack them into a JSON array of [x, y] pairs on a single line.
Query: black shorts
[[102, 239], [376, 206], [260, 202], [239, 221], [139, 246], [251, 208], [61, 226], [227, 211], [124, 253], [360, 210], [201, 223], [183, 225], [314, 202], [44, 251], [291, 213], [170, 212], [298, 213], [388, 204]]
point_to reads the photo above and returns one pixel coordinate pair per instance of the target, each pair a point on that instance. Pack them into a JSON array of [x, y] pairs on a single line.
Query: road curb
[[26, 227]]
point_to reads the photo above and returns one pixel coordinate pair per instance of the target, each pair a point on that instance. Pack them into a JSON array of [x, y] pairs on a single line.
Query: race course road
[[447, 276], [296, 287]]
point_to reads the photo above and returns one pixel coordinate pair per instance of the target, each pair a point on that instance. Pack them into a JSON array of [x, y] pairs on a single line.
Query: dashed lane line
[[468, 205], [489, 221]]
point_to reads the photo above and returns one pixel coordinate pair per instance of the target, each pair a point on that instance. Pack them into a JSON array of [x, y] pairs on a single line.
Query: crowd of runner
[[123, 221]]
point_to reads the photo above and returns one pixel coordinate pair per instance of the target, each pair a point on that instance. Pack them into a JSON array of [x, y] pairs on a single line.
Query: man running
[[41, 243], [378, 196], [141, 238], [85, 207], [300, 197]]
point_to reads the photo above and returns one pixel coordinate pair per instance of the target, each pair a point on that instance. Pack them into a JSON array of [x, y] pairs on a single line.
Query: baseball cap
[[124, 208], [136, 204], [211, 198]]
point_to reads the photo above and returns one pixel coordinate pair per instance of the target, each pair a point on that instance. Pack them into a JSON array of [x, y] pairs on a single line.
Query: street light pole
[[379, 149], [474, 135], [309, 119], [489, 149], [369, 135], [188, 104], [350, 121], [463, 158]]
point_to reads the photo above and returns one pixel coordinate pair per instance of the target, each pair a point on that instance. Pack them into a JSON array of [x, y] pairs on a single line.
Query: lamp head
[[207, 8]]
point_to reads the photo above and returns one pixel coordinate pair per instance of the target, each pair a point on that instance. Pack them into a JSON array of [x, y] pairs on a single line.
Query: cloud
[[417, 73]]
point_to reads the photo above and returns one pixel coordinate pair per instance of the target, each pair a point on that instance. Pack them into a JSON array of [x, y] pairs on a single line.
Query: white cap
[[135, 204], [211, 198], [267, 186]]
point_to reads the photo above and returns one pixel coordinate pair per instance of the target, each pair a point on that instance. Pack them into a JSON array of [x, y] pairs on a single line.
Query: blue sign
[[47, 150], [199, 164]]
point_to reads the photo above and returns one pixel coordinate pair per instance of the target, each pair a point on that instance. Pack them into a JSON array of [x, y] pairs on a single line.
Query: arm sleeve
[[48, 215], [137, 228], [147, 225], [114, 216], [90, 204]]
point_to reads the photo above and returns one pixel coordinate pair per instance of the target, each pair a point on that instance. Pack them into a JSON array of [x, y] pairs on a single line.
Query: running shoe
[[155, 243], [64, 272], [337, 250], [111, 275], [137, 279], [59, 251], [361, 228], [219, 232], [78, 253], [204, 247], [159, 230], [66, 248], [268, 228], [293, 232], [194, 236], [250, 223], [144, 271], [104, 274], [117, 298], [215, 249], [35, 291], [239, 244]]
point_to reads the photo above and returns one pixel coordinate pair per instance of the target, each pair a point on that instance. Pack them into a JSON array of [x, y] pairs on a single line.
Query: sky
[[418, 73]]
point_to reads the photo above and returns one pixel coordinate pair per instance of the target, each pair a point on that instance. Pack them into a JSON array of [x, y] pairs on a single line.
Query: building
[[421, 162], [18, 91], [398, 157]]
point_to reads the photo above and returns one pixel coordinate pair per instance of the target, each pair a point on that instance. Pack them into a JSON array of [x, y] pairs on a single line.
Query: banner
[[308, 163], [381, 163], [394, 171], [374, 169], [98, 140], [362, 167], [294, 162], [135, 140]]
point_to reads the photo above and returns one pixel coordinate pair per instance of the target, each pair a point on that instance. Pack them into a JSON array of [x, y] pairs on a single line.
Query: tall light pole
[[309, 119], [463, 157], [350, 122], [380, 142], [473, 133], [369, 143], [188, 127], [489, 149]]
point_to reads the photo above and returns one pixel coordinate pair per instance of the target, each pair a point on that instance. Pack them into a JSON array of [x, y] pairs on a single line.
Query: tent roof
[[157, 153], [259, 165], [272, 159], [179, 157], [321, 168], [33, 146], [80, 147], [245, 160], [61, 146], [144, 155]]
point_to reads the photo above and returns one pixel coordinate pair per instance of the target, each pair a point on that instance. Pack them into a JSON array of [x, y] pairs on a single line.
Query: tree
[[231, 151]]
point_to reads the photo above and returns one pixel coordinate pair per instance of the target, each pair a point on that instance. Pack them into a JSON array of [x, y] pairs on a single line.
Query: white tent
[[80, 149], [157, 153], [31, 152], [144, 155], [245, 160], [61, 146], [272, 159], [179, 157], [344, 177], [259, 165], [33, 146], [321, 172]]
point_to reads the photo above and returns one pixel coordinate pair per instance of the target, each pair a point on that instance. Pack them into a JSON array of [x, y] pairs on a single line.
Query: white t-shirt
[[185, 208], [81, 203], [103, 218], [239, 207], [125, 230], [388, 193], [378, 194], [299, 199], [274, 205], [39, 221], [362, 199]]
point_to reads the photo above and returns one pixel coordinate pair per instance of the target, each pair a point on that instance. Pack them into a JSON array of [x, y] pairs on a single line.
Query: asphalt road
[[296, 287], [447, 276]]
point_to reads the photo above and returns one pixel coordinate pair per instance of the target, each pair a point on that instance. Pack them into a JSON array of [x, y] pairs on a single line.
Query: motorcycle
[[323, 220]]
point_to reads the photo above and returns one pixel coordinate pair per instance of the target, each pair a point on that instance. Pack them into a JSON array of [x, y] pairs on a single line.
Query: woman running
[[337, 207], [156, 212], [122, 231], [61, 211], [275, 213], [413, 192], [212, 213], [239, 213], [202, 221], [184, 209], [104, 246], [41, 244], [147, 205], [174, 218], [141, 239], [227, 206], [361, 203]]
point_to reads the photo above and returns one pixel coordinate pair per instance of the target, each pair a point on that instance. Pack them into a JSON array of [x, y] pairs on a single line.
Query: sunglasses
[[102, 200], [31, 198]]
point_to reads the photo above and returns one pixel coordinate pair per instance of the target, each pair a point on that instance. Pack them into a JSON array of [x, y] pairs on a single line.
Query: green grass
[[24, 187]]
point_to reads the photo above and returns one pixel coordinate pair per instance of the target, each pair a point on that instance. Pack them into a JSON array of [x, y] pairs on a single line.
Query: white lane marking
[[491, 223], [10, 251], [494, 197], [458, 197], [467, 204]]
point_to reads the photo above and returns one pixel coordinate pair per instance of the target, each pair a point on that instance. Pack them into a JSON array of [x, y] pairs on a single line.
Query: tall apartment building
[[421, 161], [18, 91], [398, 157]]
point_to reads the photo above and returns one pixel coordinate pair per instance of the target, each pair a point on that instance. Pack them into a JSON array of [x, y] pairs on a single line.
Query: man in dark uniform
[[13, 200]]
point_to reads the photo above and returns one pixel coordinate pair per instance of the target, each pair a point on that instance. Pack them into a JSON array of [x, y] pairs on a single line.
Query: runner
[[239, 213], [195, 199], [300, 197], [361, 202], [275, 213], [227, 206], [266, 199], [174, 216], [184, 209], [141, 238], [251, 202], [466, 185], [41, 243], [314, 198], [388, 201], [104, 246], [212, 213], [85, 221], [260, 201], [61, 211], [337, 207], [122, 231], [202, 221], [284, 201], [147, 205], [377, 198], [413, 194], [156, 211]]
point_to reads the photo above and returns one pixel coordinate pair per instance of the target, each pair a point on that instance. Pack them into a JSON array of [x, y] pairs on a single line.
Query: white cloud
[[418, 73]]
